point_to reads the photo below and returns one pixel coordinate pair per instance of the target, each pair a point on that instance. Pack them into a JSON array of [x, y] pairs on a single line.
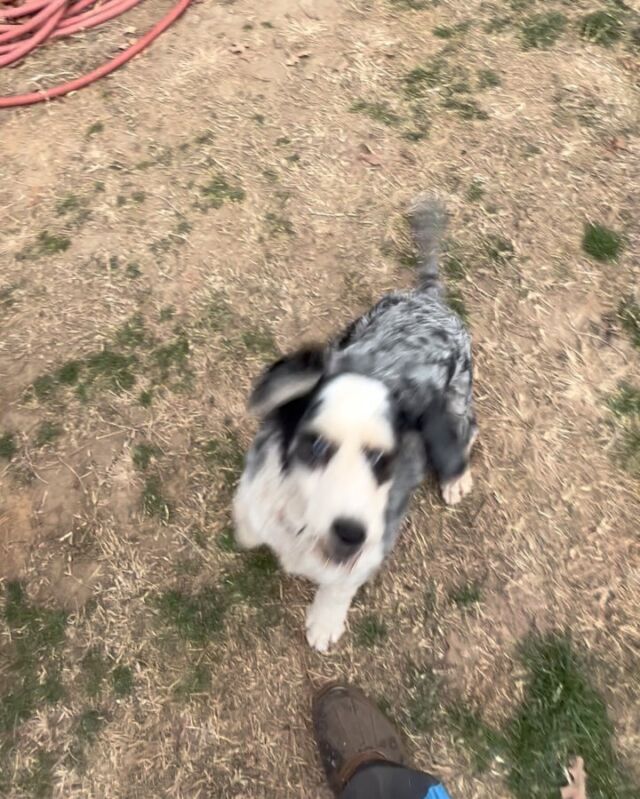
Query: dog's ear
[[289, 378], [446, 451]]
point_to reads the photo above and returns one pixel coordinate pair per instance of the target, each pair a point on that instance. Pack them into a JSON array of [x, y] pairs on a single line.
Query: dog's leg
[[244, 534], [457, 488], [327, 614]]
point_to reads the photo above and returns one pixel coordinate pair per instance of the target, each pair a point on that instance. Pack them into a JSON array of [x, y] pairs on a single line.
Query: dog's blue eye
[[381, 463], [313, 449]]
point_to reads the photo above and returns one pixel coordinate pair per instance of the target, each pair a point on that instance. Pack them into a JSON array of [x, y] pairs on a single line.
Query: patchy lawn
[[238, 189]]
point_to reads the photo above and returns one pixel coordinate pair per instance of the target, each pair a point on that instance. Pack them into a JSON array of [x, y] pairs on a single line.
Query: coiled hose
[[32, 24]]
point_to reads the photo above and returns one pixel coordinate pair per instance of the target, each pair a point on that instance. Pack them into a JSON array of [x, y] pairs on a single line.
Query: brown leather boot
[[351, 732]]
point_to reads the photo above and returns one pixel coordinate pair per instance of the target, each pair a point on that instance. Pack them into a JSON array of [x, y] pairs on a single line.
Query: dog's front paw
[[454, 490], [244, 536], [325, 626]]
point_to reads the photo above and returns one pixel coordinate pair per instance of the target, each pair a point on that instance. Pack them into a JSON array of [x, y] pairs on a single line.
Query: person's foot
[[351, 732]]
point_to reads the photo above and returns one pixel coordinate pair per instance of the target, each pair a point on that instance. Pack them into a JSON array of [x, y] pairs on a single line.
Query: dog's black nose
[[349, 532]]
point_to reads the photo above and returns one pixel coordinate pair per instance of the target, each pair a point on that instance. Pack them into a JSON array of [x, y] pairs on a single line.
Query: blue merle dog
[[350, 428]]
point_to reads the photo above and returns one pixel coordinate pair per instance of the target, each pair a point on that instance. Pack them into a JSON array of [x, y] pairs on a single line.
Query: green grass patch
[[455, 301], [629, 449], [106, 369], [172, 358], [95, 668], [226, 540], [488, 79], [475, 192], [420, 80], [89, 724], [411, 5], [278, 225], [370, 631], [465, 107], [205, 138], [560, 715], [217, 314], [44, 387], [145, 398], [603, 27], [454, 267], [198, 617], [68, 204], [69, 373], [482, 742], [133, 271], [167, 313], [197, 680], [36, 781], [224, 455], [498, 249], [465, 595], [424, 702], [421, 124], [259, 340], [542, 30], [47, 432], [625, 405], [450, 31], [154, 503], [132, 333], [626, 402], [8, 446], [31, 677], [111, 369], [378, 111], [629, 316], [601, 243], [52, 243], [256, 581], [218, 191], [95, 127], [122, 681], [46, 243], [143, 454], [498, 24], [188, 566], [7, 300]]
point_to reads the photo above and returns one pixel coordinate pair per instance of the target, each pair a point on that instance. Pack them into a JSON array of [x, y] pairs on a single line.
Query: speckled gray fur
[[418, 347]]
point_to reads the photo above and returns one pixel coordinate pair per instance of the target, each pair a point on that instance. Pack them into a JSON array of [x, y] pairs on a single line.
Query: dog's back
[[412, 341]]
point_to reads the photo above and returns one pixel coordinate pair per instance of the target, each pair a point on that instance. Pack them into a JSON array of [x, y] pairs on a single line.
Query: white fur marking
[[454, 490]]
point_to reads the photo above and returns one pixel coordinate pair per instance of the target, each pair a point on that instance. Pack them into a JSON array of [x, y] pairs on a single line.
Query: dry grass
[[204, 208]]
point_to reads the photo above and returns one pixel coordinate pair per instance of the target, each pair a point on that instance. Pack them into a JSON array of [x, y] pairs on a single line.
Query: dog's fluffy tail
[[428, 220]]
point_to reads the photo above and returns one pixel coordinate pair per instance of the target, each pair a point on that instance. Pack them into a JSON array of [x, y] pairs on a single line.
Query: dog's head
[[339, 438]]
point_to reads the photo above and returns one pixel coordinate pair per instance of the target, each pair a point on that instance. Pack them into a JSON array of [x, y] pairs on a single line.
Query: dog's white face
[[340, 463]]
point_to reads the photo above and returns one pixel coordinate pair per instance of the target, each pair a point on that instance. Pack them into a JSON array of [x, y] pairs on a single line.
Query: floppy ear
[[287, 379], [446, 451]]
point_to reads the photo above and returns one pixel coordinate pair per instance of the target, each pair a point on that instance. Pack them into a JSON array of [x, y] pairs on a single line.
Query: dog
[[350, 428]]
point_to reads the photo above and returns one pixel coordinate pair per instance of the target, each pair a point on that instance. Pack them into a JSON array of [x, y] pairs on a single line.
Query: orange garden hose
[[27, 26]]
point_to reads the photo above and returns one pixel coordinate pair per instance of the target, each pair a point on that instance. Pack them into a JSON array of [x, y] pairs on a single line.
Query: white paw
[[245, 537], [325, 625], [243, 534], [454, 490]]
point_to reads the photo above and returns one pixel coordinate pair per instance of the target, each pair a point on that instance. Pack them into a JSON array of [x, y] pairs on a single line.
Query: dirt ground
[[239, 188]]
